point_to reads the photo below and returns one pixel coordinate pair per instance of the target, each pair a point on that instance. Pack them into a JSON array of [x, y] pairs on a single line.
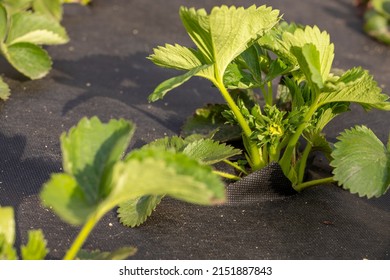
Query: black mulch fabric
[[103, 71]]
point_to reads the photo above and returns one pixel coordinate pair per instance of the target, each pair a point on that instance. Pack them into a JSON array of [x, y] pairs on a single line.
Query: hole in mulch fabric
[[267, 184]]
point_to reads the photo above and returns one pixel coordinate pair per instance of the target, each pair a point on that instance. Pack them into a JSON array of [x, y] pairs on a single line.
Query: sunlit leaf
[[358, 86], [35, 28], [29, 59], [89, 151]]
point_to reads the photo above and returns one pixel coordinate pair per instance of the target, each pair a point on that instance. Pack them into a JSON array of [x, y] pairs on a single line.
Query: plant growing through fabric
[[244, 53], [97, 178]]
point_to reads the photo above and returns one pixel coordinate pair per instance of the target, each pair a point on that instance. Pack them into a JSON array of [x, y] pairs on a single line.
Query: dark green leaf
[[134, 212], [361, 163], [89, 151], [36, 246], [29, 59]]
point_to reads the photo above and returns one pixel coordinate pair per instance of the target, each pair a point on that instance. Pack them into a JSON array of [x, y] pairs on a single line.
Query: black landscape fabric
[[103, 71]]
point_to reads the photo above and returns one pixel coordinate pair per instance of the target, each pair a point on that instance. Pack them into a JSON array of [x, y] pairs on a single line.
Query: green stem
[[236, 166], [301, 187], [226, 175], [303, 161], [287, 155], [82, 237], [269, 99], [247, 132]]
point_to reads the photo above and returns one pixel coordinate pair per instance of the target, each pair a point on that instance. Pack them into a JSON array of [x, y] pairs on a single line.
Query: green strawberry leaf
[[210, 152], [51, 8], [308, 58], [89, 151], [35, 28], [220, 37], [134, 212], [29, 59], [361, 162], [62, 194], [3, 22], [358, 86], [36, 246]]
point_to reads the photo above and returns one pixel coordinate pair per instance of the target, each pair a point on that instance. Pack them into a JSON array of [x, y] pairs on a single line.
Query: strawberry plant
[[245, 53], [25, 26], [97, 178]]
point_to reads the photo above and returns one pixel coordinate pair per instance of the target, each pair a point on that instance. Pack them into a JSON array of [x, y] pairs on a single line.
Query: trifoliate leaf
[[361, 163], [29, 59], [210, 152], [51, 8], [3, 22], [89, 151], [119, 254], [4, 90], [358, 86], [220, 38], [35, 28], [36, 246], [7, 224], [62, 194], [134, 212]]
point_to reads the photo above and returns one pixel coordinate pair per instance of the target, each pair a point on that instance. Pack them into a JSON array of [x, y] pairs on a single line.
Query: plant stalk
[[285, 161], [226, 175], [301, 187], [252, 149], [82, 237]]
